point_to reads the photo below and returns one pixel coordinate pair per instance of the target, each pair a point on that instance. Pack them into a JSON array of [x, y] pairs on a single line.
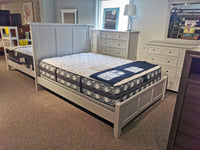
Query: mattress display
[[21, 55], [74, 71]]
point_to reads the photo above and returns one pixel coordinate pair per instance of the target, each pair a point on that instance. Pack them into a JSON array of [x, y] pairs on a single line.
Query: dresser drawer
[[119, 44], [164, 61], [192, 98], [120, 53], [121, 36], [106, 43], [154, 49], [170, 51], [106, 51], [179, 72], [186, 142], [173, 83], [190, 123], [106, 35], [114, 44], [168, 71], [182, 53], [180, 63]]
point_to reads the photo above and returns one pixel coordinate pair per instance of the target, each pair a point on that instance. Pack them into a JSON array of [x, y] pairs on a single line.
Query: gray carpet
[[40, 120]]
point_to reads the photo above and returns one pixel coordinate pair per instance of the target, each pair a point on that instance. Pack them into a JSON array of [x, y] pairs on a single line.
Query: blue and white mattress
[[21, 55], [81, 72]]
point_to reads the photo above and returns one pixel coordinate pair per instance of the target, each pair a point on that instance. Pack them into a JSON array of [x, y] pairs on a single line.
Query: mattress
[[21, 55], [74, 71]]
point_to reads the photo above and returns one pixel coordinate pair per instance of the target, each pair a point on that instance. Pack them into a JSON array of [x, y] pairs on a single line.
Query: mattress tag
[[134, 69], [109, 75]]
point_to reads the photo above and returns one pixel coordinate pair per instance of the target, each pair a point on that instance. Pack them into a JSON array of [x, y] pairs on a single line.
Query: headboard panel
[[52, 40]]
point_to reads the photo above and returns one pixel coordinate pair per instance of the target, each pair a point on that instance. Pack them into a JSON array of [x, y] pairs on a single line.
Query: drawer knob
[[119, 44], [152, 58], [166, 70], [153, 49], [170, 52], [168, 61], [117, 52], [119, 36]]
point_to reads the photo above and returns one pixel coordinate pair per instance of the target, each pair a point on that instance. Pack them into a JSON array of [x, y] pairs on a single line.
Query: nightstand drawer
[[154, 50], [170, 51]]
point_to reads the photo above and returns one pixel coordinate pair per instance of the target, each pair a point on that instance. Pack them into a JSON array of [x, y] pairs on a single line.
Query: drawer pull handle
[[168, 61]]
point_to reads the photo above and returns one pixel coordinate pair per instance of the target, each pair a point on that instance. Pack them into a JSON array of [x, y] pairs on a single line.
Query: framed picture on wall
[[27, 12], [110, 18]]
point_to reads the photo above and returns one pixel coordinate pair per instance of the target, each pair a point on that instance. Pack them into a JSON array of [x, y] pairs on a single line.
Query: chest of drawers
[[170, 56], [185, 129], [118, 43]]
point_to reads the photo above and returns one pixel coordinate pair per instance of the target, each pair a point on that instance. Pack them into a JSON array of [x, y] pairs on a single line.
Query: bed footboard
[[129, 109]]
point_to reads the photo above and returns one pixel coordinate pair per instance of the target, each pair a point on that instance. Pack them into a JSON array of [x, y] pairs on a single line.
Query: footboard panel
[[129, 109]]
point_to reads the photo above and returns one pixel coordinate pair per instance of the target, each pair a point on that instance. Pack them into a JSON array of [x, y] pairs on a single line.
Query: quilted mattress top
[[23, 49], [86, 64]]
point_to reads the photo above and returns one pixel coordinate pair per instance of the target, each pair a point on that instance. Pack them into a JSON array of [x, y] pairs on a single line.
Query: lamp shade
[[130, 10]]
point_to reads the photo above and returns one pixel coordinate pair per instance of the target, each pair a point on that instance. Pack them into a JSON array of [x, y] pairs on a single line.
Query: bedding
[[21, 55], [76, 71]]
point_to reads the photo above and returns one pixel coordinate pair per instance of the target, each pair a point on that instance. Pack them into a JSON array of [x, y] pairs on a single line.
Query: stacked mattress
[[76, 71], [21, 55]]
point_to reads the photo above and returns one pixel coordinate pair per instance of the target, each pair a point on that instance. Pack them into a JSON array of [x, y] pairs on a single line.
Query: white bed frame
[[11, 64], [51, 40]]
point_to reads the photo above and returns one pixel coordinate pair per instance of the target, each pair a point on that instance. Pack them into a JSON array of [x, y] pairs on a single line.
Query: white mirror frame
[[64, 11], [171, 2]]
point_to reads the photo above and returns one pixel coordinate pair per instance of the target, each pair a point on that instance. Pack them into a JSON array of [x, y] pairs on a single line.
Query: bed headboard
[[54, 39]]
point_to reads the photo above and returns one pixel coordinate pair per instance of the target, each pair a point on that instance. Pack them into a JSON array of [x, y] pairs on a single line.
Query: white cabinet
[[170, 56], [9, 36], [118, 43]]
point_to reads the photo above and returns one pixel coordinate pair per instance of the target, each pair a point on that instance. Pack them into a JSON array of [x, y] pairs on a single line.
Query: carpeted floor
[[40, 120]]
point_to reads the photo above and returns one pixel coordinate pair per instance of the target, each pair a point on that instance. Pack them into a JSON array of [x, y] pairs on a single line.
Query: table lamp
[[130, 10]]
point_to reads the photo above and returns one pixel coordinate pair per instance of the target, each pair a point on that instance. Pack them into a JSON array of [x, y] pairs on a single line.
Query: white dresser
[[170, 56], [118, 43]]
